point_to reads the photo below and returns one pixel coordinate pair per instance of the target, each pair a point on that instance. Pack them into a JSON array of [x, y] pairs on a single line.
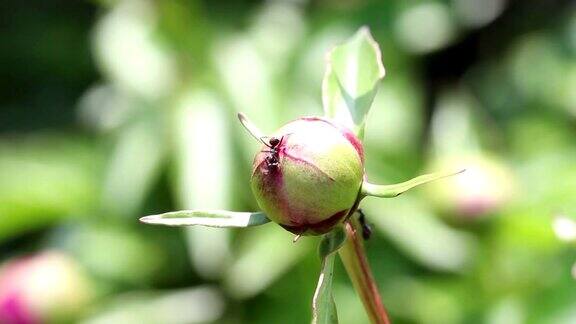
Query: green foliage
[[351, 81], [115, 109]]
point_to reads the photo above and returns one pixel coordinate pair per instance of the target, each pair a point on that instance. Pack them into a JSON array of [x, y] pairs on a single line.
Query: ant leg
[[366, 228]]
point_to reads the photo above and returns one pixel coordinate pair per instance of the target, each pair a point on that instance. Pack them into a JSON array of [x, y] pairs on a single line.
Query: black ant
[[272, 160], [366, 228]]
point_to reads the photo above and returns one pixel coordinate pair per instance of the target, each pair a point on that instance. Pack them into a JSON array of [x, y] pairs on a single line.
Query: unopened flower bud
[[45, 288], [484, 189], [308, 175]]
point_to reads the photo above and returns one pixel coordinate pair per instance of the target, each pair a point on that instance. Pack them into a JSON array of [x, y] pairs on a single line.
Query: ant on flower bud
[[272, 160]]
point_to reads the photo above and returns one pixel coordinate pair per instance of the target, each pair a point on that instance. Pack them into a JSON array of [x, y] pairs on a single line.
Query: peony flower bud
[[48, 287], [484, 189], [308, 175]]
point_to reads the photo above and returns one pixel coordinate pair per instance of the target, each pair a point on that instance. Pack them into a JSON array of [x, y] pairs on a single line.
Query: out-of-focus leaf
[[210, 218], [455, 125], [323, 306], [130, 28], [395, 123], [43, 179], [418, 300], [421, 235], [424, 27], [202, 304], [94, 245], [244, 64], [265, 255], [134, 165], [203, 155], [351, 81], [394, 190]]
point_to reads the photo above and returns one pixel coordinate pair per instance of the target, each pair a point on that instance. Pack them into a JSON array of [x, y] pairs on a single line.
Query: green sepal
[[394, 190], [250, 127]]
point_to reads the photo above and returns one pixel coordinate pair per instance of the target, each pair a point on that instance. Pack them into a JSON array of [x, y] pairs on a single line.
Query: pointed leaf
[[351, 81], [211, 218], [390, 191], [323, 306]]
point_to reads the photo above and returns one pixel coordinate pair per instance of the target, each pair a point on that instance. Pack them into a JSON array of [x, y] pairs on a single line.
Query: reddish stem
[[356, 264]]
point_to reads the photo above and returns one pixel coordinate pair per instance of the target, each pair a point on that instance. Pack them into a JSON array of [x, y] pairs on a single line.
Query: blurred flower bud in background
[[484, 189], [459, 142], [48, 287]]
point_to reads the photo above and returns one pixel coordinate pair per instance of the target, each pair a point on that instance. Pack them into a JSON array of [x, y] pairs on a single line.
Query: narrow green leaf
[[351, 80], [323, 306], [210, 218], [331, 242], [391, 191]]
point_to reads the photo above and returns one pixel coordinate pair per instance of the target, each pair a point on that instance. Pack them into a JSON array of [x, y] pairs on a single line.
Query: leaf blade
[[210, 218], [323, 305], [350, 83]]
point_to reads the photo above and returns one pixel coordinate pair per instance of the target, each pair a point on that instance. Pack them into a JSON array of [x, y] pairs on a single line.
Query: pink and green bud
[[486, 187], [44, 288], [308, 175]]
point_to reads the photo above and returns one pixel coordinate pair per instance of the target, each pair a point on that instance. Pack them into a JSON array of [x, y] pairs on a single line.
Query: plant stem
[[356, 264]]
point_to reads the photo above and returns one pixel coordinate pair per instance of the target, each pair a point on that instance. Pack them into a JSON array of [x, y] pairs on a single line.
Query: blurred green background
[[111, 110]]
